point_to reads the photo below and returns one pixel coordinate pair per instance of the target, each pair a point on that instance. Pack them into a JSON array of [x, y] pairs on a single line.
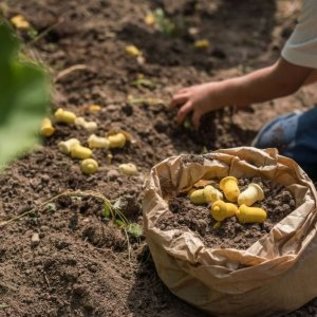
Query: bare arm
[[278, 80], [312, 78]]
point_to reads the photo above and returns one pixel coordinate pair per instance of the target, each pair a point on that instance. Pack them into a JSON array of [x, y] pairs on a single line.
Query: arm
[[278, 80], [312, 78]]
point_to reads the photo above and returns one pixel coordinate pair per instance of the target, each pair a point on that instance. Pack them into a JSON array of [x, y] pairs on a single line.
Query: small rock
[[113, 175], [275, 202], [45, 178], [238, 227], [286, 197], [237, 239], [248, 234], [35, 240], [292, 204], [111, 108], [61, 244], [201, 223]]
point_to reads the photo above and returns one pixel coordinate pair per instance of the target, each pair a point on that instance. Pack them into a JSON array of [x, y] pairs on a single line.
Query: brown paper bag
[[277, 274]]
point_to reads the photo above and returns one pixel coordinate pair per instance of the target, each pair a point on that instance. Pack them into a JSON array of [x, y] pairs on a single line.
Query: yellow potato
[[89, 166], [47, 128]]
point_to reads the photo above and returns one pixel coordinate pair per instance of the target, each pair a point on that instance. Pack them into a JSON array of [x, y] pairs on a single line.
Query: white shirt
[[301, 47]]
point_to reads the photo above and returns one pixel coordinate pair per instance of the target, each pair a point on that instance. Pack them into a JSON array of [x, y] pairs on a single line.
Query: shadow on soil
[[217, 131]]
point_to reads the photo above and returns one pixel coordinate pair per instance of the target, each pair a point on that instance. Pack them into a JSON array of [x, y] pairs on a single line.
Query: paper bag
[[275, 275]]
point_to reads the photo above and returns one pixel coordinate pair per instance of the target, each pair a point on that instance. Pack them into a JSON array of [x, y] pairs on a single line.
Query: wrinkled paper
[[275, 275]]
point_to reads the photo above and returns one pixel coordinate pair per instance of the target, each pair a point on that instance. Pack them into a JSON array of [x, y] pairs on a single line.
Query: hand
[[199, 100]]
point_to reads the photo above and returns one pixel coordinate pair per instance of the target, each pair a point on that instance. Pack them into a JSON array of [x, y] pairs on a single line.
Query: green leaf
[[120, 223], [135, 230], [165, 25], [24, 96]]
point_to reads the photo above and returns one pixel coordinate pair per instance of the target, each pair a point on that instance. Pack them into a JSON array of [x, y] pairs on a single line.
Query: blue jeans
[[295, 136]]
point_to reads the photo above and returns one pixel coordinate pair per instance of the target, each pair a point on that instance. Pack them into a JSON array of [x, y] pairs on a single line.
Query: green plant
[[24, 96], [164, 24], [115, 212]]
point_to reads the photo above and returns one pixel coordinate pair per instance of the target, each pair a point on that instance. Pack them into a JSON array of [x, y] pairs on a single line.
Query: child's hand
[[199, 100], [279, 80]]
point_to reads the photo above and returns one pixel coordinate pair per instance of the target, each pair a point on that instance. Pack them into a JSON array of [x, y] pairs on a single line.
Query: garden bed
[[80, 264]]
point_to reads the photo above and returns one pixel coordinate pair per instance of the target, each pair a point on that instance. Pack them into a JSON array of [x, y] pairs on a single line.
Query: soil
[[183, 215], [66, 259]]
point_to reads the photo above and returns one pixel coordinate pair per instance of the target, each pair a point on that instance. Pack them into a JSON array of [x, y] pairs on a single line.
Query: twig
[[42, 34], [69, 70]]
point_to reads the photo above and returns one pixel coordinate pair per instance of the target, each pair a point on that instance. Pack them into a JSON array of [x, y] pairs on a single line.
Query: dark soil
[[184, 215], [66, 260]]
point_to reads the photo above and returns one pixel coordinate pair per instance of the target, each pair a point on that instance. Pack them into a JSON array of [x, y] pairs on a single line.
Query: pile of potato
[[230, 201], [76, 150]]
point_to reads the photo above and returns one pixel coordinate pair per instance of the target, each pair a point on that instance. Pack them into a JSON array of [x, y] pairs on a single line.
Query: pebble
[[111, 108], [45, 177], [113, 175], [248, 234], [44, 228], [292, 203], [35, 240], [237, 239]]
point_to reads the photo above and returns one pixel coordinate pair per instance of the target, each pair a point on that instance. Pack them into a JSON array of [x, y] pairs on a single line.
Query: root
[[69, 70]]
